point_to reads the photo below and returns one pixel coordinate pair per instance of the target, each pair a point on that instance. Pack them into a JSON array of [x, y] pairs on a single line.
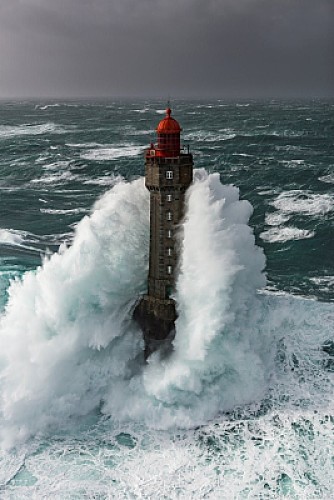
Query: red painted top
[[168, 132], [168, 125]]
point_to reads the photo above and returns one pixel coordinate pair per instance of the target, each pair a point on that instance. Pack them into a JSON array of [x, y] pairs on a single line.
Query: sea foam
[[304, 202], [9, 132], [67, 326], [112, 153], [72, 347], [282, 234]]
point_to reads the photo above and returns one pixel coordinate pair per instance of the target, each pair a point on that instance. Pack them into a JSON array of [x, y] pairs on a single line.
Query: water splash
[[62, 322], [73, 349]]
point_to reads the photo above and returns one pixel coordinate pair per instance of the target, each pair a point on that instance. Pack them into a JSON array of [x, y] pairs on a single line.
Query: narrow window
[[169, 252], [169, 233], [169, 197], [169, 174], [169, 215], [169, 269]]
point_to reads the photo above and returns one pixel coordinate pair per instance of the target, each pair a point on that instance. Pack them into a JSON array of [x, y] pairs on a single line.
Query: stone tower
[[168, 174]]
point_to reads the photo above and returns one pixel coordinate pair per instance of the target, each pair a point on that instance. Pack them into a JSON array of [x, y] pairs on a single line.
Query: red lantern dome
[[168, 132], [168, 125]]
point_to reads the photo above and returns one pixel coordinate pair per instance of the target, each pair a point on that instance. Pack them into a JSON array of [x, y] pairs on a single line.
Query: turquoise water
[[244, 408]]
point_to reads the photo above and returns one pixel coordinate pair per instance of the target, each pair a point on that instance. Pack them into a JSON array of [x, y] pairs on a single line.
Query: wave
[[293, 163], [85, 145], [57, 178], [142, 110], [57, 165], [15, 238], [207, 136], [276, 218], [25, 239], [105, 154], [304, 202], [70, 211], [72, 347], [108, 180], [130, 130], [75, 311], [8, 132], [329, 178], [55, 105], [325, 283], [10, 237], [232, 134], [282, 234]]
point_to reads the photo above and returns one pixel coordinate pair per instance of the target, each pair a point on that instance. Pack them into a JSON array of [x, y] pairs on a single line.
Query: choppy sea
[[243, 409]]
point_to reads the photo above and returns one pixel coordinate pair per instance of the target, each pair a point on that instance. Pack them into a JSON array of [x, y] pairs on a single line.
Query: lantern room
[[168, 132]]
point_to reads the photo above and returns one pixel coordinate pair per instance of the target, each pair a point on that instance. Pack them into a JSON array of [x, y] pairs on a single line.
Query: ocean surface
[[243, 409]]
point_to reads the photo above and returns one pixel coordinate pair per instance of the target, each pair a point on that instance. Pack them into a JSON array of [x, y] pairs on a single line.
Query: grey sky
[[221, 48]]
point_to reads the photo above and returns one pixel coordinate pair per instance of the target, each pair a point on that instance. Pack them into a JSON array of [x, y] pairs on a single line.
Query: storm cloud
[[195, 48]]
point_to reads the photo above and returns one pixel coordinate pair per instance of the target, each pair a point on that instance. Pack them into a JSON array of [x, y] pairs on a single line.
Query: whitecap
[[105, 154], [135, 132], [276, 218], [282, 234], [11, 237], [303, 202], [60, 177], [57, 165], [329, 179], [324, 281], [55, 105], [245, 155], [16, 238], [109, 180], [292, 163], [85, 145], [8, 132], [142, 110], [70, 211], [207, 136]]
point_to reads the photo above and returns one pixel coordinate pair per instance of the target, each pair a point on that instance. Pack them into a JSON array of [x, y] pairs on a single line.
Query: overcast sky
[[159, 48]]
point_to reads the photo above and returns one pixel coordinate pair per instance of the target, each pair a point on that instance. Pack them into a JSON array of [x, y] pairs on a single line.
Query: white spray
[[70, 342], [63, 321]]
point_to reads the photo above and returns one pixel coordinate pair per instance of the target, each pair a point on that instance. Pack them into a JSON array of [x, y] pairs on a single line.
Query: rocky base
[[156, 319]]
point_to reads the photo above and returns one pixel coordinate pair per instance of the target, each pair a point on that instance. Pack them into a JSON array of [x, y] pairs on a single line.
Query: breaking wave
[[73, 349], [106, 154], [304, 202], [15, 238], [8, 132], [282, 234], [10, 237]]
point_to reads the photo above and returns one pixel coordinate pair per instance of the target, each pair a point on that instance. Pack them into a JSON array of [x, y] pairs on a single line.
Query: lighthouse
[[168, 174]]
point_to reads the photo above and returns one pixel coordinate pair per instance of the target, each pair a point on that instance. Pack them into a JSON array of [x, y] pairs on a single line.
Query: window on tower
[[169, 215], [169, 197], [169, 269], [169, 174], [169, 252], [169, 233]]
